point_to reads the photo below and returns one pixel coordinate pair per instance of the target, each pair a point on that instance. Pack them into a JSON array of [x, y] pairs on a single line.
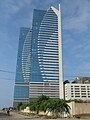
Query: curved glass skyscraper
[[21, 89], [39, 62], [48, 56]]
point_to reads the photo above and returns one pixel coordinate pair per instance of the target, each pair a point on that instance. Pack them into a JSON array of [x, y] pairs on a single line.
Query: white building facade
[[77, 91]]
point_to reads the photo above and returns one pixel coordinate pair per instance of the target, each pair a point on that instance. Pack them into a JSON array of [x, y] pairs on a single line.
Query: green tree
[[57, 106], [63, 107], [23, 106], [39, 104], [32, 105], [19, 105]]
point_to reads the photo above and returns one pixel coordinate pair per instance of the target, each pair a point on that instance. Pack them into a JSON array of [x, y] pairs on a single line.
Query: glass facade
[[38, 53], [22, 92], [21, 89], [35, 74], [48, 46], [45, 59], [23, 58]]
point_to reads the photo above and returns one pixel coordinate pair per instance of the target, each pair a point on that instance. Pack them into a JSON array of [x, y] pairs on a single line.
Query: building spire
[[59, 8]]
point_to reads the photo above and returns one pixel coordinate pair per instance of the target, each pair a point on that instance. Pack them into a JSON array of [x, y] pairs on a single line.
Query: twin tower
[[39, 60]]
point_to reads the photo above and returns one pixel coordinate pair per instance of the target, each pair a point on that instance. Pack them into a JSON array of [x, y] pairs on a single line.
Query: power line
[[8, 79], [73, 75], [6, 71]]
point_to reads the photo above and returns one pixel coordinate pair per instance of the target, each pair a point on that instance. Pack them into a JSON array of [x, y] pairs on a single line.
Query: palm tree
[[39, 104], [56, 106], [19, 105], [32, 105], [63, 107]]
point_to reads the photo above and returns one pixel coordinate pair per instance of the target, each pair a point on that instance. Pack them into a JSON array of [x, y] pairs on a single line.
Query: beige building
[[47, 88]]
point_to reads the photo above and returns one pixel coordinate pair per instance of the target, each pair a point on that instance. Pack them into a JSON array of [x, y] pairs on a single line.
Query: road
[[16, 116], [13, 116]]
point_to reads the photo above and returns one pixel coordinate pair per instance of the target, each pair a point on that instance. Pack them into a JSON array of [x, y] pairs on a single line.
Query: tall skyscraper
[[21, 89], [39, 62]]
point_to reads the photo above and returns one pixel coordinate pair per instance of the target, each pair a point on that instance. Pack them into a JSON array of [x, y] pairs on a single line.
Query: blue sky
[[75, 33]]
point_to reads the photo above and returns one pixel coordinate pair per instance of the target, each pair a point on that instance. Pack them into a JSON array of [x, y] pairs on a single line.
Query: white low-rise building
[[77, 91]]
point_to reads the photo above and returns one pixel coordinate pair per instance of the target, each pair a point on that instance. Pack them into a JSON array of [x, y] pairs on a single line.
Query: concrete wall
[[26, 110], [79, 108], [76, 109]]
